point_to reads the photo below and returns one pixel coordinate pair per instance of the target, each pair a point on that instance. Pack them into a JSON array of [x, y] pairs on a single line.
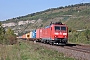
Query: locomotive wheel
[[41, 41], [51, 43], [45, 42]]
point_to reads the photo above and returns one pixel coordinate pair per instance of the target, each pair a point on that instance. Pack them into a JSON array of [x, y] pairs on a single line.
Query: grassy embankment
[[29, 51]]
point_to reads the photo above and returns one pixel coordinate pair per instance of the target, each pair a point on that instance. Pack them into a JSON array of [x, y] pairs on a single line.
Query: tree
[[11, 37], [10, 32], [2, 33]]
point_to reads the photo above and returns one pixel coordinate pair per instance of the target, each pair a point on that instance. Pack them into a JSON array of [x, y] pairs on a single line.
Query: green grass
[[30, 51]]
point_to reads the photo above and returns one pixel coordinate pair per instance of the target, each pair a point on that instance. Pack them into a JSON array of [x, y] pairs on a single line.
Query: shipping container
[[28, 35], [24, 36], [37, 33], [31, 34], [34, 34]]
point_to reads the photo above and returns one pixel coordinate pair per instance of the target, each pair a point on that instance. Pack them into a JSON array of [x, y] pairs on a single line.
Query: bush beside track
[[81, 37], [7, 37]]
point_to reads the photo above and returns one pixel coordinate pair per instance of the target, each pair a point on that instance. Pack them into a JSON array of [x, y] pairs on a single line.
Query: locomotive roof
[[57, 23]]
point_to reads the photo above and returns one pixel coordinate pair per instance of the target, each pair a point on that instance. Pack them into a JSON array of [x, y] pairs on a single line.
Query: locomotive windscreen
[[57, 27], [63, 28], [60, 28]]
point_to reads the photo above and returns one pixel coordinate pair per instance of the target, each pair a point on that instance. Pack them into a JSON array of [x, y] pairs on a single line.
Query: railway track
[[76, 47], [79, 48], [80, 52]]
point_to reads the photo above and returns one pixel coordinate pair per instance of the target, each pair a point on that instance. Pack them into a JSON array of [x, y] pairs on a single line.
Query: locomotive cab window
[[60, 28], [57, 27], [63, 28]]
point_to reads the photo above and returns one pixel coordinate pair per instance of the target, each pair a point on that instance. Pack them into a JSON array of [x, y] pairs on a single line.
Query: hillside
[[75, 16]]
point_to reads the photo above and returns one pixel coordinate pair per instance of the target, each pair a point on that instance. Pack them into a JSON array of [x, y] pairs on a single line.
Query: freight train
[[54, 33]]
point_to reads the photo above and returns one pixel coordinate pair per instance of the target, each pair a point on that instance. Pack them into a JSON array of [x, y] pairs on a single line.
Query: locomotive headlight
[[64, 33], [56, 33]]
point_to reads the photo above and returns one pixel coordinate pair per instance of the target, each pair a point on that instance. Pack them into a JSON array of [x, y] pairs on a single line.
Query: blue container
[[34, 34]]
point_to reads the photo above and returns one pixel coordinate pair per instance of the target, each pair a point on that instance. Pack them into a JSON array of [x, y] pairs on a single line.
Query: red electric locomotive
[[54, 33]]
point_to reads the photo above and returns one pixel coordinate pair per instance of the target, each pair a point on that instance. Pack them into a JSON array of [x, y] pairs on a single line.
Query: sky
[[15, 8]]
